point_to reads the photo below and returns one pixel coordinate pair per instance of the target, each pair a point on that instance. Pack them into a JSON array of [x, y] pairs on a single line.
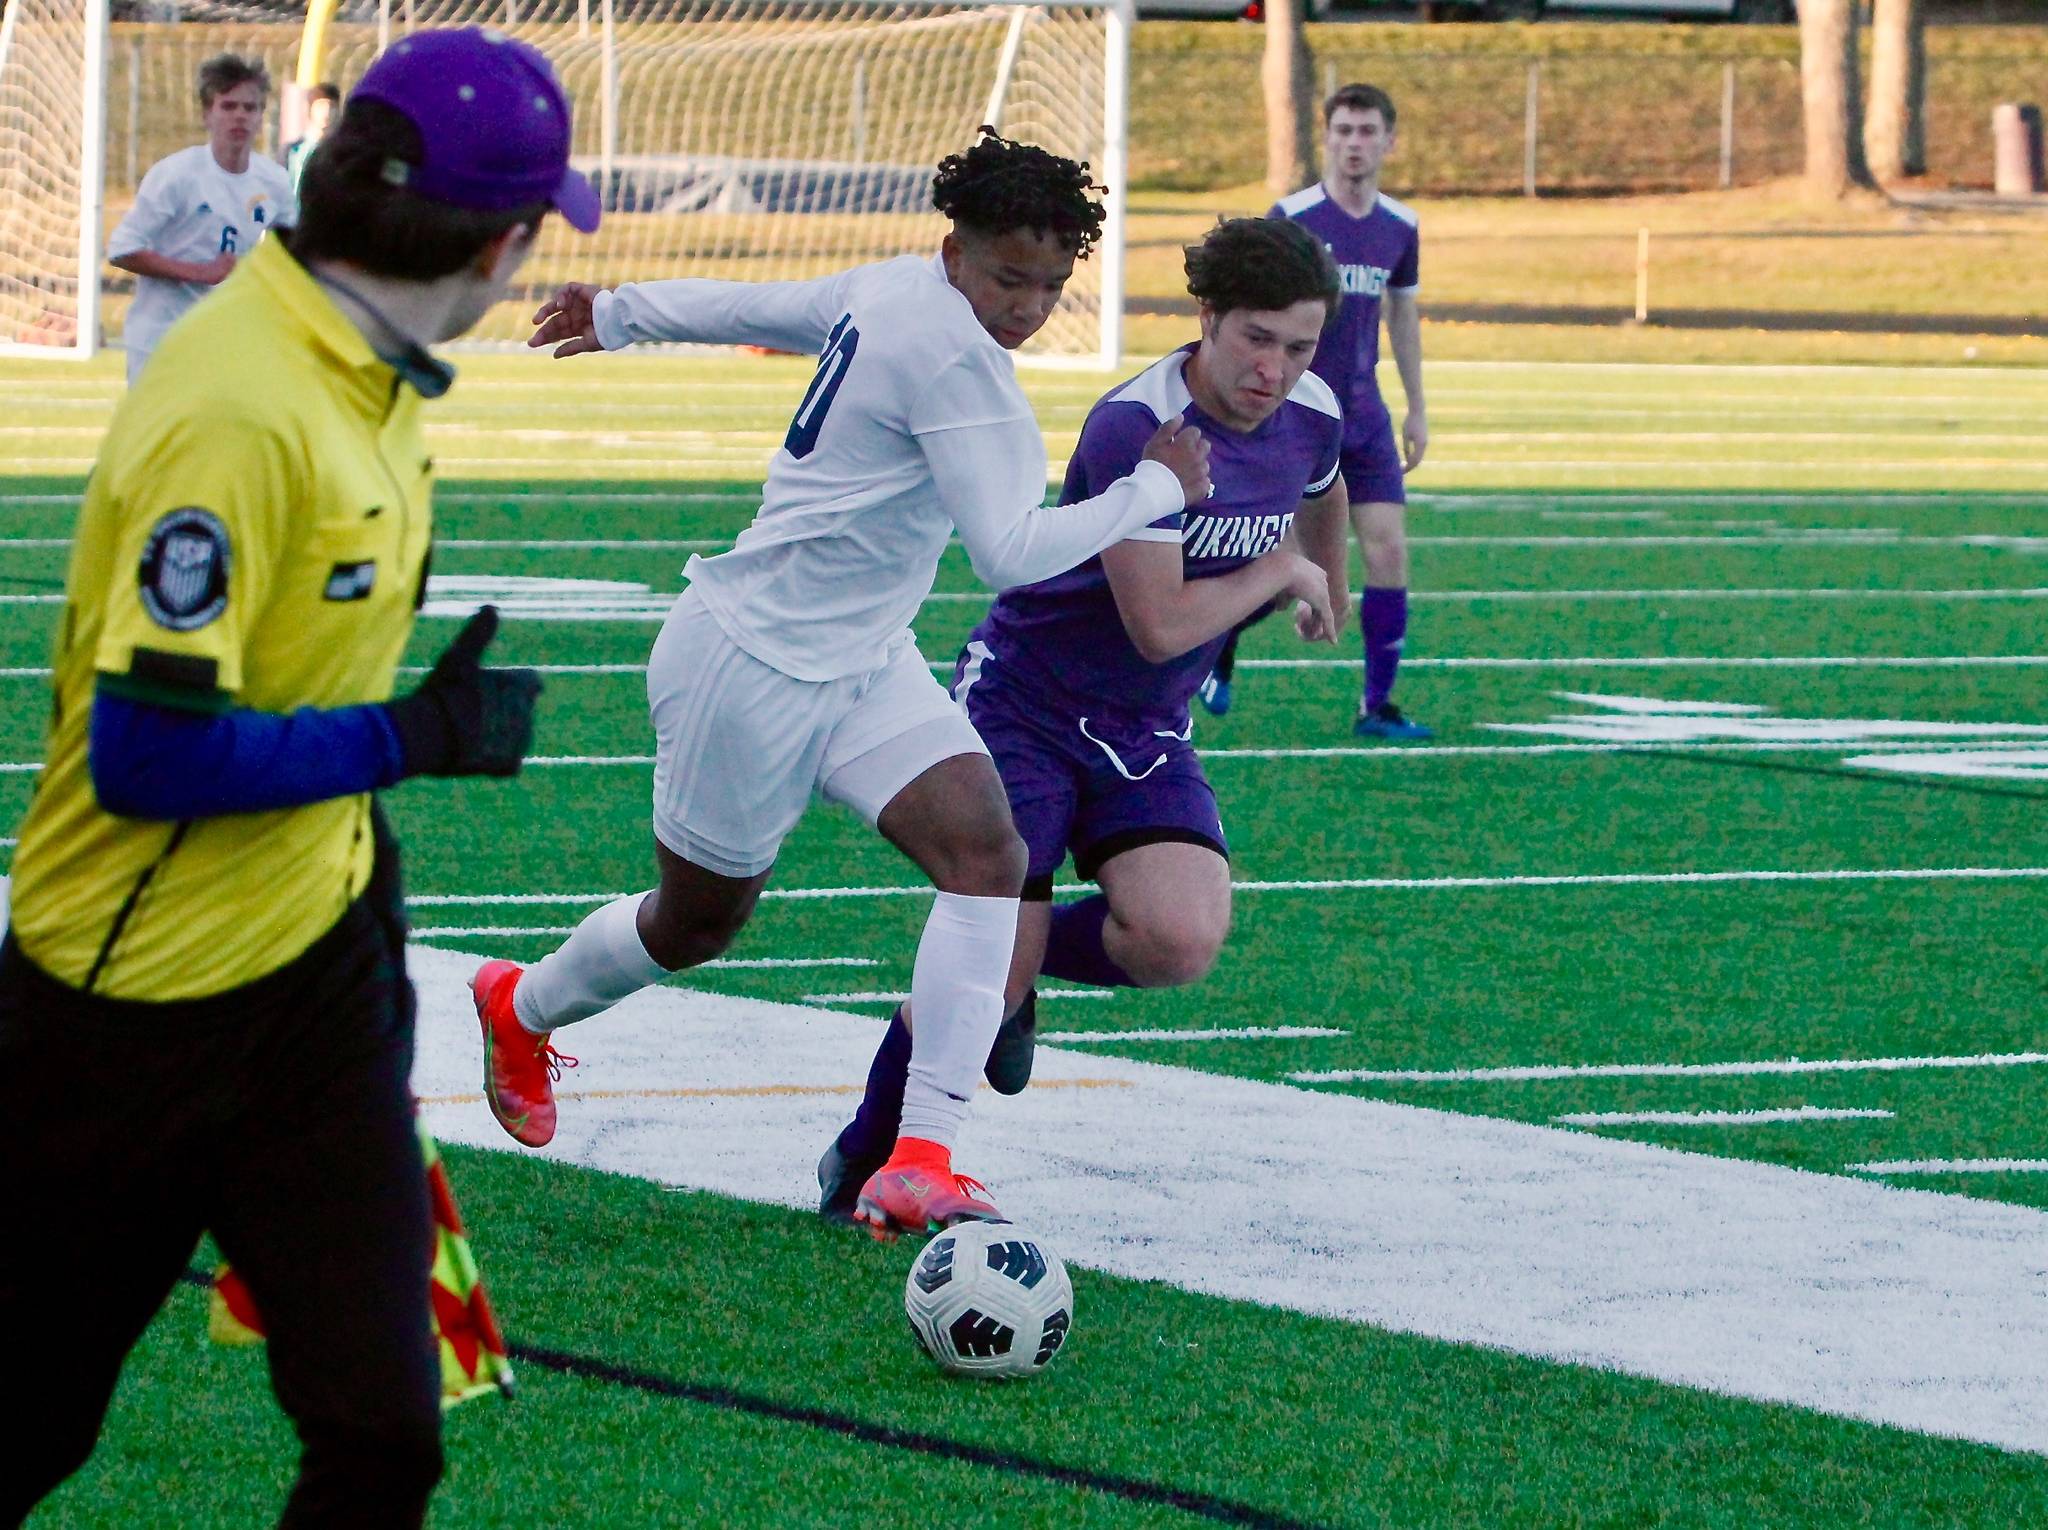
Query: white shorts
[[740, 746]]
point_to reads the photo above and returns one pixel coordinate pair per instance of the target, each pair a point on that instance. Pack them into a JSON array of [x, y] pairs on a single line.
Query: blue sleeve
[[165, 762]]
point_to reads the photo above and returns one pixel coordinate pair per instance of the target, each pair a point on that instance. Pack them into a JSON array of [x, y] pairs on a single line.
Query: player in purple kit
[[1080, 684], [1374, 241]]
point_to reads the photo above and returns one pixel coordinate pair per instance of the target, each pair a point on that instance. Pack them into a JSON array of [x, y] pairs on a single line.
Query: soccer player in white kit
[[788, 666], [200, 209]]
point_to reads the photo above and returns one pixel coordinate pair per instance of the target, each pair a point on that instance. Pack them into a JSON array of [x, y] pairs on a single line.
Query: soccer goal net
[[753, 139], [52, 104]]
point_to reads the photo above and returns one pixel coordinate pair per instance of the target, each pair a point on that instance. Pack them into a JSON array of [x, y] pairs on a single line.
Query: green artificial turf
[[1587, 480]]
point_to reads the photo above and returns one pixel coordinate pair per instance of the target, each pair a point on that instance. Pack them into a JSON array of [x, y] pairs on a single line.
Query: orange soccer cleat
[[916, 1191], [519, 1067]]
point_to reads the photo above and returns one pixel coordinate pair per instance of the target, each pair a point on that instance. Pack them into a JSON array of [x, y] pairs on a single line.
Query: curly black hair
[[1000, 185], [1262, 264]]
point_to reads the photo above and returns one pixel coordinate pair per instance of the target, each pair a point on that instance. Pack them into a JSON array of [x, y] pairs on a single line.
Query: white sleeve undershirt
[[782, 316]]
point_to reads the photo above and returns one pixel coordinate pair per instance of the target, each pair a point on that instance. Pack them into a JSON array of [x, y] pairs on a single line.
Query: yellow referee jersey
[[255, 531]]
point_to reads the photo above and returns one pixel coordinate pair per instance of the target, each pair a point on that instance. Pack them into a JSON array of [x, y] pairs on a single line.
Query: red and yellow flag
[[473, 1357]]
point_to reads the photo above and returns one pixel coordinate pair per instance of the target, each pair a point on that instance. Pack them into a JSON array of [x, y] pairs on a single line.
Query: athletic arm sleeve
[[781, 316], [987, 459], [155, 208], [156, 761]]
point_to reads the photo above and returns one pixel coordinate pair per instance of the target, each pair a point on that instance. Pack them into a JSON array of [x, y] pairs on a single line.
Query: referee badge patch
[[184, 572]]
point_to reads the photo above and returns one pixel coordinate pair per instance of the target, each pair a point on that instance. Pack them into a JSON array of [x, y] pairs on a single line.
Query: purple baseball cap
[[493, 119]]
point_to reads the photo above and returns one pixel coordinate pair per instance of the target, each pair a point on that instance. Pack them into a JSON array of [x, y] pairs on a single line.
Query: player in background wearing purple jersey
[[1374, 241], [1080, 684]]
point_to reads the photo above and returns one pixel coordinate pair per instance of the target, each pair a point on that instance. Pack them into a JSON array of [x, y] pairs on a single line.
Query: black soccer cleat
[[1009, 1060], [840, 1178]]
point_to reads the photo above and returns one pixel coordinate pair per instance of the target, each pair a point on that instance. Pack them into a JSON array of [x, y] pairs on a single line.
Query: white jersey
[[913, 425], [189, 208]]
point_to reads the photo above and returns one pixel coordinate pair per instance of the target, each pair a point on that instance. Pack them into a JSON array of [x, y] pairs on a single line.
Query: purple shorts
[[1084, 783], [1371, 462]]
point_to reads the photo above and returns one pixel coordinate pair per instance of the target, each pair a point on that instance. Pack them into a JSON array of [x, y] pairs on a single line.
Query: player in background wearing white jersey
[[788, 666], [201, 208]]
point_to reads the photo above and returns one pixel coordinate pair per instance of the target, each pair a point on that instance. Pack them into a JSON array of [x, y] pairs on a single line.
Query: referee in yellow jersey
[[204, 1012]]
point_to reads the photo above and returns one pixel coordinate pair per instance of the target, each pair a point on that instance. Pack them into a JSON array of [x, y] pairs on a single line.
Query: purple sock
[[1074, 949], [872, 1132], [1383, 618]]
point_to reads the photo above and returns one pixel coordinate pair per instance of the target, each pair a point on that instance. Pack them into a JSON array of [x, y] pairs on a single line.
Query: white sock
[[956, 992], [600, 963]]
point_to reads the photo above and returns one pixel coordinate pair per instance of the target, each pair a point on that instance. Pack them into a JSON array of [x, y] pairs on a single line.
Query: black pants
[[277, 1116]]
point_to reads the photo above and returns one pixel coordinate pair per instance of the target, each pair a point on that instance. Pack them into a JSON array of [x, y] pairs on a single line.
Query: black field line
[[1208, 1506], [1223, 1511], [1845, 773]]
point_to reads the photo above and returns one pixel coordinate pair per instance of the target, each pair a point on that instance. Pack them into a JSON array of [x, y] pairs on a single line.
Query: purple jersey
[[1063, 636], [1373, 253]]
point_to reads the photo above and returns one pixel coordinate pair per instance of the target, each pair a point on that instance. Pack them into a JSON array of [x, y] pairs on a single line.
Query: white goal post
[[53, 94], [753, 139]]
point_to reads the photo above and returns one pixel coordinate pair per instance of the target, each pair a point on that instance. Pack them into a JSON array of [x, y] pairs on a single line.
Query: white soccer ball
[[989, 1299]]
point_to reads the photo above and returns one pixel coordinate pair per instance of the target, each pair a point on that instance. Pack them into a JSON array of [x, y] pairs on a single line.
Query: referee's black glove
[[466, 720]]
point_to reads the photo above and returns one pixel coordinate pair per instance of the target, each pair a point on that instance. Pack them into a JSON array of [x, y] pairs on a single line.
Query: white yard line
[[1846, 1295], [1866, 540], [904, 998], [1756, 439], [1426, 751], [1685, 499], [1213, 1033], [2018, 765], [1719, 1117], [1680, 661], [1735, 746], [1385, 752], [1545, 1072], [751, 963], [1954, 1166], [1530, 501], [718, 963], [586, 544], [1348, 884], [1577, 597], [1700, 466]]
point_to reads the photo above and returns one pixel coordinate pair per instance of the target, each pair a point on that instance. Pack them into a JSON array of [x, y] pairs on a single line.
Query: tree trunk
[[1828, 83], [1894, 130], [1287, 71]]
